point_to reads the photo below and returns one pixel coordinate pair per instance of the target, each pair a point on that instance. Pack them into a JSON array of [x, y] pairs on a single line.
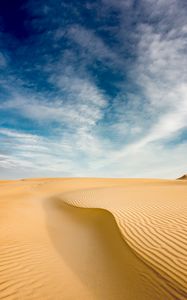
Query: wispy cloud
[[93, 45], [28, 152], [80, 103]]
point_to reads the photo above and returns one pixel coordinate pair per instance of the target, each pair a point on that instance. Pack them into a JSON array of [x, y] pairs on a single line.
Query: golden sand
[[93, 239]]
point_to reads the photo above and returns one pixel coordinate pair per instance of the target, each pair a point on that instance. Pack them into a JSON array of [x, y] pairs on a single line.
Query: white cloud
[[163, 78], [160, 71], [94, 45], [152, 160], [30, 154], [81, 103], [19, 135]]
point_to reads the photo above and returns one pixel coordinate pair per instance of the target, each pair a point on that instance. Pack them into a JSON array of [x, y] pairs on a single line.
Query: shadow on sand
[[90, 243]]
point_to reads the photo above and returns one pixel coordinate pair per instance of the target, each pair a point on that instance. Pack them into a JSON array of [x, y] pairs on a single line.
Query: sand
[[184, 177], [93, 239]]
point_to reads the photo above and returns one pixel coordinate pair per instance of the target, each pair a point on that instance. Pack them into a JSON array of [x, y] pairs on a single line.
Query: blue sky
[[93, 88]]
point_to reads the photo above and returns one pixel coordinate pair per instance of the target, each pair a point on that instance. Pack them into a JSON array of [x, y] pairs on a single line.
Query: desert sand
[[63, 239], [184, 177]]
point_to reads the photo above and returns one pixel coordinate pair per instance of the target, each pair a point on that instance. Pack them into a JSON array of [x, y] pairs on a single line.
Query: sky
[[93, 88]]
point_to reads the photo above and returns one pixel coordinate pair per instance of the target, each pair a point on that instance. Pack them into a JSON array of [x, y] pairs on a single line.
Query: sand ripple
[[153, 221]]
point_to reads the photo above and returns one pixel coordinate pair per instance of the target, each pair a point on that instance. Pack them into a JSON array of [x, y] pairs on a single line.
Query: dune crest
[[54, 245], [184, 177]]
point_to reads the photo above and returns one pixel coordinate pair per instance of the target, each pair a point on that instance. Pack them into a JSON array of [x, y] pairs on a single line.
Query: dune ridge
[[155, 232], [93, 239], [184, 177]]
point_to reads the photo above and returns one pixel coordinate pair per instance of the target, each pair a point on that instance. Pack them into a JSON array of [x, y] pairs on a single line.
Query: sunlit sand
[[93, 239]]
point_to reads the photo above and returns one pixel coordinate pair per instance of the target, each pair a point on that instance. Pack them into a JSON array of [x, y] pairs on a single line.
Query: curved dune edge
[[127, 276], [167, 264]]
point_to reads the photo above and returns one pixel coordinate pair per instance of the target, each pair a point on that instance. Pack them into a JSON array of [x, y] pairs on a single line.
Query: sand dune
[[93, 239], [184, 177]]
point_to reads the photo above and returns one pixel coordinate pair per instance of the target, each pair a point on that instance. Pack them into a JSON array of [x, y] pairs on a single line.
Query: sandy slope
[[132, 245], [184, 177]]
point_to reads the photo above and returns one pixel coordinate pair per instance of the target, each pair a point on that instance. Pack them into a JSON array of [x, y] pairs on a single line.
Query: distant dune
[[184, 177], [89, 238]]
